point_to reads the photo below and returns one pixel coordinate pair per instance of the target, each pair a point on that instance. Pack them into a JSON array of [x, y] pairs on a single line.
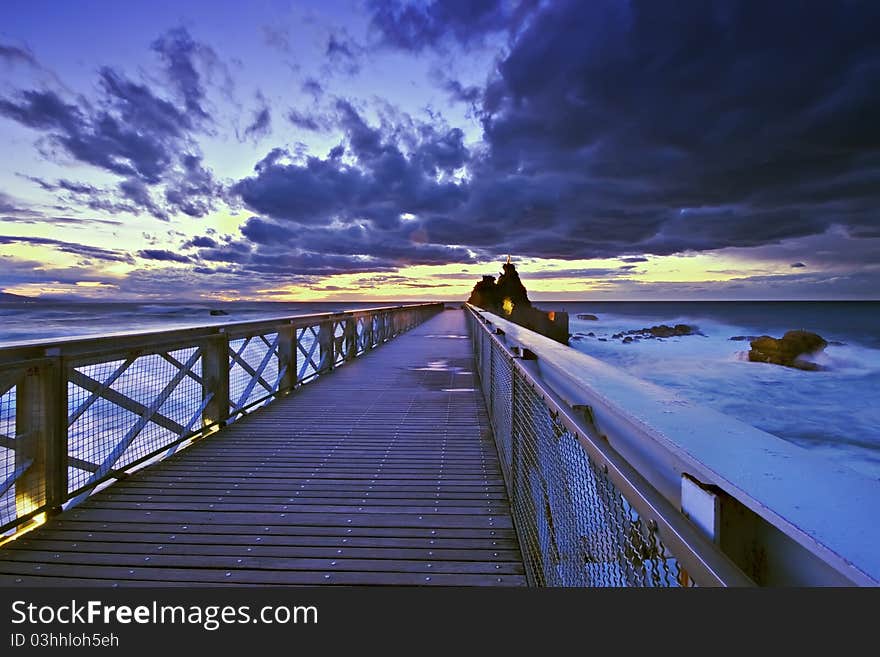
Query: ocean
[[38, 320], [835, 412]]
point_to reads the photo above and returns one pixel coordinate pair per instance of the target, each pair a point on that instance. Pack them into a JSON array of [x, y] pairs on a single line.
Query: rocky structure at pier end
[[509, 298]]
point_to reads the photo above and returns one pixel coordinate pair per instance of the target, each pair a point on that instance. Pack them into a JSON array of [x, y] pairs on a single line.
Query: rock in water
[[664, 331], [787, 350], [219, 313], [588, 316], [661, 331]]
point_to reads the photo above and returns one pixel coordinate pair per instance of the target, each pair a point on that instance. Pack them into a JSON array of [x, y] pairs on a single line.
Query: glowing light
[[552, 316], [33, 523], [507, 305]]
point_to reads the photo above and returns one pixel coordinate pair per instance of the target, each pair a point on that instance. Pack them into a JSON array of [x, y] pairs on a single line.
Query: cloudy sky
[[379, 149]]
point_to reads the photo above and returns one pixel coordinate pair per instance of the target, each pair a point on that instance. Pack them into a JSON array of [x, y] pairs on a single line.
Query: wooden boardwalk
[[383, 472]]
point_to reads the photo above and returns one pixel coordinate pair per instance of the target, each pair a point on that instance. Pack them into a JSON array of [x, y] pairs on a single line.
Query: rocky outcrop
[[506, 294], [664, 331], [587, 316], [509, 298], [787, 350], [661, 331], [484, 294]]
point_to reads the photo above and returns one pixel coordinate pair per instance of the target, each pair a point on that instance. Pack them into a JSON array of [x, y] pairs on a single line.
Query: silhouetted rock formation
[[788, 349], [485, 294], [509, 298], [588, 316], [509, 292], [510, 287]]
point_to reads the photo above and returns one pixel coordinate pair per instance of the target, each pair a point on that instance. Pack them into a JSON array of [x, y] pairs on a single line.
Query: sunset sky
[[373, 149]]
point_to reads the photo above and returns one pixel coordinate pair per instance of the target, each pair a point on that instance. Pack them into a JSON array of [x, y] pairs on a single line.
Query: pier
[[410, 445]]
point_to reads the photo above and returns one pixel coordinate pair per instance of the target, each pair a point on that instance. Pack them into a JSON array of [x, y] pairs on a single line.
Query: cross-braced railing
[[76, 414]]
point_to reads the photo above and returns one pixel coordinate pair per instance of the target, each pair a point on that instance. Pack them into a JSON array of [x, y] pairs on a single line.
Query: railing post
[[287, 358], [215, 379], [41, 438], [383, 328], [350, 338], [325, 344]]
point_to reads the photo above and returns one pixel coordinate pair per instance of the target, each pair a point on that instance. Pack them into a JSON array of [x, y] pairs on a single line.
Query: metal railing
[[76, 414], [583, 515], [613, 480]]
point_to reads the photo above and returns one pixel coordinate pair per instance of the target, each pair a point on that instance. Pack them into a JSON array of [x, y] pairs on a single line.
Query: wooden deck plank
[[259, 531], [198, 576], [383, 472], [306, 536], [372, 549], [262, 495]]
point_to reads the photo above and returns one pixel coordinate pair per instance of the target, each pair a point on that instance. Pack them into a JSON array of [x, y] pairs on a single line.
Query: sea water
[[835, 411]]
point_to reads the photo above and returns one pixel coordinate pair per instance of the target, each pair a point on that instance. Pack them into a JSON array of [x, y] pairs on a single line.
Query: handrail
[[684, 452], [75, 345], [78, 413]]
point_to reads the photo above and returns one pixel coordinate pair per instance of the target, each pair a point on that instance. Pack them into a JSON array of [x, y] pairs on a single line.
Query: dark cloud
[[106, 141], [65, 185], [582, 272], [14, 54], [81, 250], [14, 211], [610, 129], [388, 248], [192, 189], [201, 241], [311, 121], [10, 205], [343, 53], [15, 271], [84, 194], [163, 256], [438, 23], [139, 106], [469, 95], [58, 221], [200, 281], [139, 194], [42, 109], [372, 210], [181, 56], [261, 121], [629, 127], [312, 87], [133, 132]]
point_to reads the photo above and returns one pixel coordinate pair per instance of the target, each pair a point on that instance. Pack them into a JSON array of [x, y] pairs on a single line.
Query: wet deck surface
[[384, 472]]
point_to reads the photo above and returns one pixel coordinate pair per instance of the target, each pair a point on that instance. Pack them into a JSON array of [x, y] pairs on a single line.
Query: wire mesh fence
[[20, 411], [576, 528], [76, 420]]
